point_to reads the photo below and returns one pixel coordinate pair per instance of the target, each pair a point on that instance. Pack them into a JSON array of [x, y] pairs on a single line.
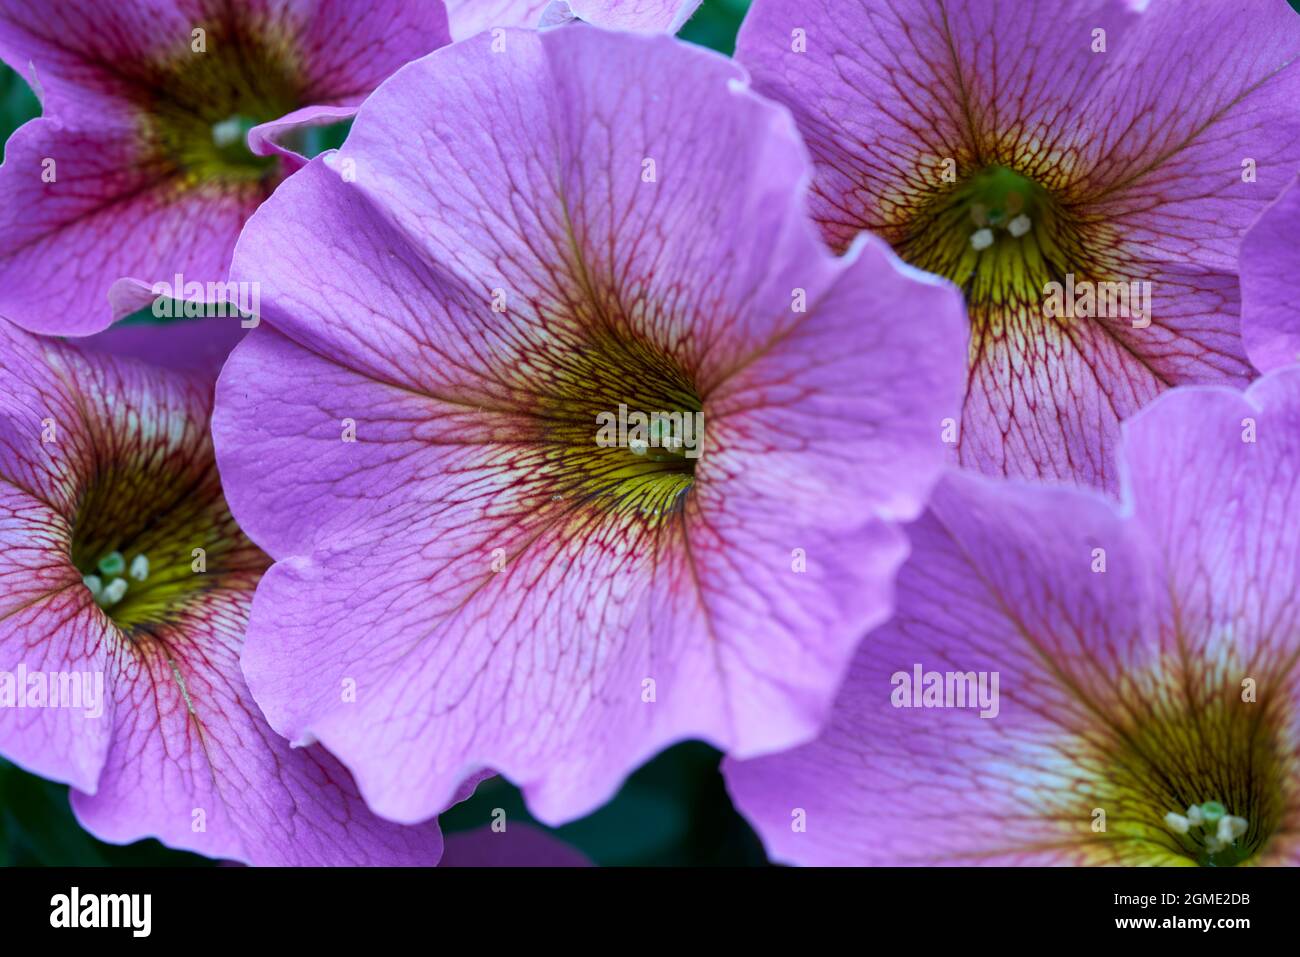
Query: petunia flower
[[469, 17], [125, 588], [1083, 171], [456, 307], [1069, 680], [139, 169], [1270, 262]]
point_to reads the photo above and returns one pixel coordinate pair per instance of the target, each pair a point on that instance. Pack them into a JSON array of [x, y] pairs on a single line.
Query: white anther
[[1231, 828], [139, 568], [637, 446], [94, 583], [981, 239], [1177, 823], [1194, 815], [226, 132], [112, 592], [1019, 226]]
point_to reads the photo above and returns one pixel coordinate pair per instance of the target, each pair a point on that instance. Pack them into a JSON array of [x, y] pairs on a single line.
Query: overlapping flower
[[1011, 146], [139, 170], [1270, 261], [469, 17], [122, 574], [512, 244], [168, 124], [591, 410], [1148, 694]]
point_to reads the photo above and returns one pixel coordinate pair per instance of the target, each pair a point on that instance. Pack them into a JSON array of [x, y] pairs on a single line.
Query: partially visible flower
[[469, 17], [139, 169], [1085, 173], [1270, 284], [415, 431], [125, 588], [519, 845], [1071, 681]]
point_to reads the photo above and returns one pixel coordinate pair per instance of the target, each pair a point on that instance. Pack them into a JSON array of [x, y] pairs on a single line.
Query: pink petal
[[1145, 144], [109, 213], [179, 732], [1122, 686], [1270, 261], [531, 183], [517, 846]]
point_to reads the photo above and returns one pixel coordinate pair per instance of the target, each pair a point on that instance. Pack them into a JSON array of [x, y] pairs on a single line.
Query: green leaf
[[37, 827], [715, 24], [17, 102]]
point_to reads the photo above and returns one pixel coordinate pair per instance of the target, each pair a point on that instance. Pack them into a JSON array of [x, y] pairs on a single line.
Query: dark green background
[[674, 810]]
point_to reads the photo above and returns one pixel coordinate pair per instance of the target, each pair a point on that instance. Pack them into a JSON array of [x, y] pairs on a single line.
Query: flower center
[[1000, 202], [999, 235], [1203, 780], [199, 105], [148, 539], [622, 424], [1003, 237], [110, 581], [1210, 834]]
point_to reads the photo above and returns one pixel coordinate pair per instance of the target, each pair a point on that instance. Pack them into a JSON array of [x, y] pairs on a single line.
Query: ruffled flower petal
[[126, 585], [1074, 144], [482, 271], [1270, 262], [1145, 658], [139, 170]]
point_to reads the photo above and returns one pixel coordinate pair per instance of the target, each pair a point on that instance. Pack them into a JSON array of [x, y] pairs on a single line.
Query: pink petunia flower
[[139, 169], [1084, 172], [125, 588], [1068, 680], [433, 430]]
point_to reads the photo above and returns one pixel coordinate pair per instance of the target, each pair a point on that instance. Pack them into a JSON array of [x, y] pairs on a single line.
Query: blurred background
[[673, 811]]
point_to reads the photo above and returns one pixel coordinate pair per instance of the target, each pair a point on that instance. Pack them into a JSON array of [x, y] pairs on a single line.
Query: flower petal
[[1122, 638], [469, 17], [1270, 261], [349, 47], [1164, 157], [36, 589], [194, 764], [998, 581], [601, 634], [97, 448], [265, 138], [647, 16], [108, 213], [517, 846], [1214, 478], [197, 345]]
